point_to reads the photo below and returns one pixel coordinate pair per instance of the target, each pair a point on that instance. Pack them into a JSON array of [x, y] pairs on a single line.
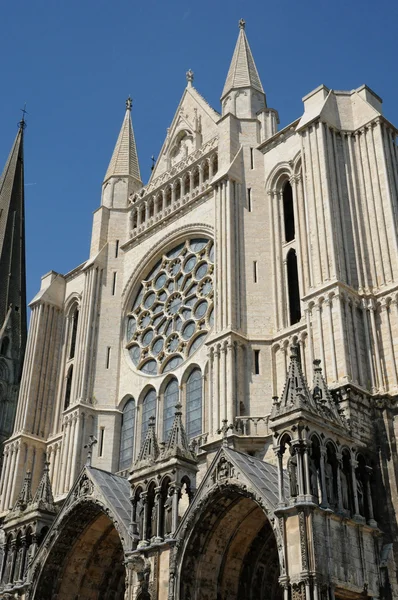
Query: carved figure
[[292, 470], [314, 479], [154, 517], [140, 518], [360, 494], [329, 483], [344, 490], [168, 512]]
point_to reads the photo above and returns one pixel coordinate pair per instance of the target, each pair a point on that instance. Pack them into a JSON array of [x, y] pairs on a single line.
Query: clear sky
[[75, 62]]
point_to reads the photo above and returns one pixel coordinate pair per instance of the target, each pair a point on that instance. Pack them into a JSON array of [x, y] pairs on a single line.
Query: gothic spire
[[124, 161], [43, 497], [25, 495], [323, 398], [177, 444], [242, 71], [12, 245], [296, 394], [149, 451]]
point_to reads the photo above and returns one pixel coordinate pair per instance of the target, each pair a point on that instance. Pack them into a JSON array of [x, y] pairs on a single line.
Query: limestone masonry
[[207, 407]]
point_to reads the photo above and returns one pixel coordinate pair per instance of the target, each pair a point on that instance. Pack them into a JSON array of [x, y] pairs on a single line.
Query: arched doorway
[[231, 552], [85, 559]]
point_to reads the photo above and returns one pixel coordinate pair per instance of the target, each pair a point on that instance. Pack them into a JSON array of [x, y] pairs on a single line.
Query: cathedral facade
[[207, 404]]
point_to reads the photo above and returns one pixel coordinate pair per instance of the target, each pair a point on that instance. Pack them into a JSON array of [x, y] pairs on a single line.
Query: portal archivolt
[[231, 553], [85, 560]]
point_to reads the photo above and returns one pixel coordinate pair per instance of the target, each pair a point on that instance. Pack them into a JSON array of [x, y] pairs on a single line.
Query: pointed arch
[[148, 410], [127, 435], [171, 397]]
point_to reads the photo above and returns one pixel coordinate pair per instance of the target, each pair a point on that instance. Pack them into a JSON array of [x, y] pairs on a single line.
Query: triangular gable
[[194, 116], [230, 468], [109, 492]]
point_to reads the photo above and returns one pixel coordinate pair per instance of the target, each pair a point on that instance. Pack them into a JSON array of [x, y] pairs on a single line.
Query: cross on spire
[[129, 103], [22, 122]]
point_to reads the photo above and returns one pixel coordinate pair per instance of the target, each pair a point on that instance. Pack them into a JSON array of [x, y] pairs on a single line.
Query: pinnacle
[[177, 443], [242, 71], [149, 451], [124, 161]]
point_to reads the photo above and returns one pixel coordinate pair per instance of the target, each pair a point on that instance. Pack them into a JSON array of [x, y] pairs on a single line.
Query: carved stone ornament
[[298, 591], [224, 470], [85, 488]]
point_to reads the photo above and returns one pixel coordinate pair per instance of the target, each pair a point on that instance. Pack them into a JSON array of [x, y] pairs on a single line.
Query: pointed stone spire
[[242, 71], [323, 397], [25, 495], [177, 444], [296, 394], [149, 451], [43, 498], [12, 274], [124, 161]]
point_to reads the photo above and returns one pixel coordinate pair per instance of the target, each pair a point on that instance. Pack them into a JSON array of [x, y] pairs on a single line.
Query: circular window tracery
[[172, 311]]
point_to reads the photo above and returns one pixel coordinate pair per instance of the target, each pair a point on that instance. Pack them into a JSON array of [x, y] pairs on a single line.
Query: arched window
[[68, 387], [293, 287], [4, 346], [288, 212], [127, 435], [148, 410], [75, 318], [194, 404], [171, 394]]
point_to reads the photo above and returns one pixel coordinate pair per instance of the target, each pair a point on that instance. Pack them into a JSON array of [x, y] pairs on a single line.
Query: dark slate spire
[[177, 444], [25, 495], [323, 398], [149, 451], [12, 280], [296, 394], [43, 498]]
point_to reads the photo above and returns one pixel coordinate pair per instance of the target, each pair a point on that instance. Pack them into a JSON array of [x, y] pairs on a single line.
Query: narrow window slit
[[114, 284], [117, 248], [255, 272], [101, 443], [251, 159], [108, 357], [257, 362], [249, 199]]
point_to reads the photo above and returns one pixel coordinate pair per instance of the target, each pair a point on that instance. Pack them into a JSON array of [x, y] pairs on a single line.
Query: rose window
[[172, 311]]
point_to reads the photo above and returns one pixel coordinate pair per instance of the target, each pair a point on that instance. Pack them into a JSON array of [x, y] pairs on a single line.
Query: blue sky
[[75, 62]]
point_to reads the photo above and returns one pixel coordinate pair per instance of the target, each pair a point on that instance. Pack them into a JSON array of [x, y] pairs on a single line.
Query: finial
[[317, 365], [22, 122], [178, 408], [242, 24], [129, 103], [189, 75], [224, 431], [91, 441], [294, 351], [151, 421]]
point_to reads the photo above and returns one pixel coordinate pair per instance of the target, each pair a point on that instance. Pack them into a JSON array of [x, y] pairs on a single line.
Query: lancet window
[[148, 410], [170, 399], [127, 435], [193, 407]]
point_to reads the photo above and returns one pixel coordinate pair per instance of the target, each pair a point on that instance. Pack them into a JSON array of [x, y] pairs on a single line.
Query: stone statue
[[329, 483], [344, 490], [140, 518], [168, 512], [360, 494], [314, 479], [154, 517], [292, 470]]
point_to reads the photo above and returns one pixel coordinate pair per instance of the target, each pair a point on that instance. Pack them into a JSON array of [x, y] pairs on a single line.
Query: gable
[[194, 124]]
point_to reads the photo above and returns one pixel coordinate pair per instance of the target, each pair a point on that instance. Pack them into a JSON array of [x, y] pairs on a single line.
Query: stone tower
[[13, 284], [209, 400]]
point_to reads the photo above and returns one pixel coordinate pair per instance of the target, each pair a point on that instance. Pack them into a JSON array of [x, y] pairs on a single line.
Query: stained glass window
[[148, 410], [194, 404], [171, 395], [127, 435]]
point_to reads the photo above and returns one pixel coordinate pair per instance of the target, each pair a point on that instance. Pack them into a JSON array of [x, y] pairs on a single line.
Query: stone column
[[159, 509], [368, 491], [300, 481], [173, 192], [144, 541], [306, 469], [200, 176], [281, 491], [176, 498]]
